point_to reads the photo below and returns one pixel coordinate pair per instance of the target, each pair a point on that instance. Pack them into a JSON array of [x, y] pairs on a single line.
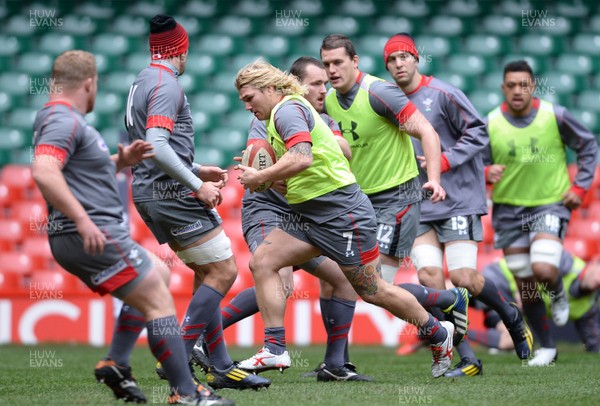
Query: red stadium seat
[[486, 257], [33, 217], [182, 281], [35, 195], [582, 247], [584, 228], [244, 278], [10, 283], [16, 262], [51, 284], [38, 250], [11, 233], [233, 229], [8, 195], [18, 178], [137, 228], [593, 210]]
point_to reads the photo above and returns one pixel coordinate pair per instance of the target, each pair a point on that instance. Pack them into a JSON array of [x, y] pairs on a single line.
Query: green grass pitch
[[63, 375]]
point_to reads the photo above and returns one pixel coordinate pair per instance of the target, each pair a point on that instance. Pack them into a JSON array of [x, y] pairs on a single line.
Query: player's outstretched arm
[[47, 174], [419, 127]]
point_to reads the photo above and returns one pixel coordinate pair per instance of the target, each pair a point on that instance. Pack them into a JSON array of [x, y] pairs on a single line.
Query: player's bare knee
[[161, 268], [429, 275], [545, 273], [466, 278]]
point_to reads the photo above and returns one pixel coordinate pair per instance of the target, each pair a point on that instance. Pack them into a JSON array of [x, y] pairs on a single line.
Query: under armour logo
[[353, 126]]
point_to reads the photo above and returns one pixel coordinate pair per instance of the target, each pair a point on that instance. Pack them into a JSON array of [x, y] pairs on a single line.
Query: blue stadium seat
[[539, 44], [576, 64], [109, 103], [486, 45], [202, 65], [467, 64], [339, 24], [135, 62], [21, 118], [493, 80], [236, 26], [268, 45], [6, 101], [588, 44], [211, 102], [447, 26], [561, 83], [146, 9], [207, 155], [131, 26], [20, 25], [118, 82], [589, 118], [465, 83], [216, 44], [500, 25], [485, 101], [79, 26], [589, 100], [434, 46], [15, 83], [55, 43], [13, 138], [390, 25], [110, 44], [9, 46]]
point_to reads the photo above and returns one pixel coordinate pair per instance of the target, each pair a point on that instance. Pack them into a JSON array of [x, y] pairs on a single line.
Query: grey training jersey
[[157, 100], [463, 137], [574, 135], [61, 131], [254, 203]]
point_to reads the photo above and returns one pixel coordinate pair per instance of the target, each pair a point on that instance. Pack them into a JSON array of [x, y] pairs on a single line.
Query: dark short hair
[[335, 41], [518, 66], [298, 68]]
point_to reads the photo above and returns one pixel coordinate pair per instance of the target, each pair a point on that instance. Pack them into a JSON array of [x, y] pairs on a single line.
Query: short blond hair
[[71, 68], [260, 74]]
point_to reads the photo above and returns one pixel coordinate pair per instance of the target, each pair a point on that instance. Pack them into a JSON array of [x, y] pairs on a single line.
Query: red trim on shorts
[[365, 257], [160, 121], [52, 150], [122, 277], [303, 136], [402, 213]]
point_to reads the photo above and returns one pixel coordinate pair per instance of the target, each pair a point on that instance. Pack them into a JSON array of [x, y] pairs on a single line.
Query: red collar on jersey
[[163, 67], [55, 102], [424, 82]]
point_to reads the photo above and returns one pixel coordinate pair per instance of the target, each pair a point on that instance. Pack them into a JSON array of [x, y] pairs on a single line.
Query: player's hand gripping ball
[[259, 155]]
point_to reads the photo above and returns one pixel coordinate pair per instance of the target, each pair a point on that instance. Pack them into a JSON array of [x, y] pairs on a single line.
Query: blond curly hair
[[260, 74]]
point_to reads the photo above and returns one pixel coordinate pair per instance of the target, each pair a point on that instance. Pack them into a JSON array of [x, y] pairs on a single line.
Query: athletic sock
[[129, 325], [466, 352], [275, 340], [340, 314], [324, 303], [429, 297], [215, 342], [491, 296], [201, 310], [164, 339], [490, 338], [432, 331], [243, 305], [556, 288], [535, 310]]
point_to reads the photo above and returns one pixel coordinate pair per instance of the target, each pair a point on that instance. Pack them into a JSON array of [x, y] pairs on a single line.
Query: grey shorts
[[183, 221], [548, 223], [262, 225], [457, 228], [397, 228], [119, 269], [349, 239]]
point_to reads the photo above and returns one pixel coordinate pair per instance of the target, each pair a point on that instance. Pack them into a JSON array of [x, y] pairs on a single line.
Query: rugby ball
[[259, 155]]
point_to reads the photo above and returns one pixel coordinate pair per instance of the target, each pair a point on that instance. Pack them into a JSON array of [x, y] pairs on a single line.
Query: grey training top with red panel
[[156, 99], [256, 203], [463, 137], [61, 131], [575, 136]]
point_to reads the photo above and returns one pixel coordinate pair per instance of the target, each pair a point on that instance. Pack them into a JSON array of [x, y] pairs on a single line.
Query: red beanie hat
[[399, 43], [167, 38]]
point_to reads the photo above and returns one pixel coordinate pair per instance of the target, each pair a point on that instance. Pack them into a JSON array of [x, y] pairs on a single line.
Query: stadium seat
[[118, 82], [588, 44], [538, 63], [216, 44], [589, 99], [588, 118], [203, 65], [79, 26], [203, 121], [465, 83], [19, 25], [223, 82], [233, 229], [269, 45], [17, 177], [33, 217], [137, 61], [8, 196], [22, 118], [417, 12], [539, 44], [236, 26], [110, 44], [485, 101], [492, 80], [109, 103], [238, 61], [131, 25], [390, 25], [488, 230], [207, 155], [9, 46], [10, 283], [38, 65], [211, 102], [575, 64], [485, 45], [499, 25], [584, 248], [244, 278], [433, 46], [189, 83], [182, 281], [593, 210], [12, 138], [138, 229], [38, 250], [560, 83], [594, 24], [584, 228], [446, 26], [349, 26], [15, 262], [15, 83], [46, 283], [487, 256], [57, 43], [467, 64], [231, 138]]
